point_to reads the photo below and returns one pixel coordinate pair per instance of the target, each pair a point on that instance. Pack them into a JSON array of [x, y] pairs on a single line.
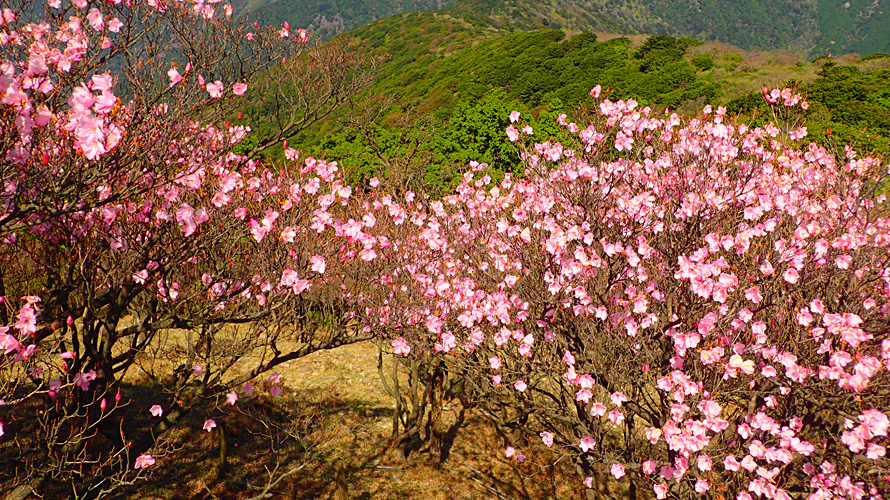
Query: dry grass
[[334, 421]]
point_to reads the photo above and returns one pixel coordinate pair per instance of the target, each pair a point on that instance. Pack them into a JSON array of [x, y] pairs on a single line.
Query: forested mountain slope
[[449, 79], [327, 18], [808, 27]]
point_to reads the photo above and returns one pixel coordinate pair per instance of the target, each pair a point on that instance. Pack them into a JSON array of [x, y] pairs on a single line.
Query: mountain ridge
[[810, 28]]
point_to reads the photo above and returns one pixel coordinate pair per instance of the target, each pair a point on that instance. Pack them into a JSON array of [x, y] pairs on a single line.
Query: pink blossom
[[512, 134], [875, 451], [317, 264], [587, 443], [239, 89], [209, 424], [156, 411], [174, 75], [753, 294], [568, 358], [232, 397], [701, 485], [547, 438], [703, 462], [617, 470], [649, 467], [618, 398], [660, 491], [730, 463], [400, 346], [495, 362], [597, 409], [143, 461], [215, 89]]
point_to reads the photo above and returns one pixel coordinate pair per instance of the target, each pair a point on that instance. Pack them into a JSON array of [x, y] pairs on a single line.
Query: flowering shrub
[[690, 306], [133, 238]]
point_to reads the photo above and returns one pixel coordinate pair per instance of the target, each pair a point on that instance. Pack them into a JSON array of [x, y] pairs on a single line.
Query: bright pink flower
[[618, 398], [239, 89], [547, 438], [143, 461], [597, 409], [317, 264], [587, 443], [703, 462], [649, 467], [875, 451], [512, 134], [753, 294], [156, 411], [568, 358], [660, 491], [702, 486], [400, 346], [617, 470], [730, 463], [174, 75], [215, 89], [232, 397], [616, 417], [209, 424]]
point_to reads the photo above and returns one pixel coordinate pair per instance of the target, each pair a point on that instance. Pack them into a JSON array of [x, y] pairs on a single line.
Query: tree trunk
[[436, 428], [223, 452]]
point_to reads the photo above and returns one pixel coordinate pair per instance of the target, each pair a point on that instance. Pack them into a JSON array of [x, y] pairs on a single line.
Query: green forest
[[446, 86], [810, 29]]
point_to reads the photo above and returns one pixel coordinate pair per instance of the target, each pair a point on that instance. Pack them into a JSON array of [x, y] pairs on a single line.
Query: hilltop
[[809, 28]]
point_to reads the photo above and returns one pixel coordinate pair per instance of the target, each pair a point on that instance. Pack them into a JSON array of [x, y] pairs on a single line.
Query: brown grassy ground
[[333, 423]]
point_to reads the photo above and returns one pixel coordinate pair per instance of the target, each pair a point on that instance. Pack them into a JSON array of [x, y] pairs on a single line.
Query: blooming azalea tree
[[688, 307], [133, 237]]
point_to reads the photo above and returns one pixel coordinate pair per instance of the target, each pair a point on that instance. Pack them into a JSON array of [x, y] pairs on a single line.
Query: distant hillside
[[807, 27], [810, 28], [327, 18], [450, 78]]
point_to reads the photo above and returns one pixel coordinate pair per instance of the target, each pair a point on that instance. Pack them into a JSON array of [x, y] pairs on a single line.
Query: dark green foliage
[[854, 104], [703, 62], [468, 80], [847, 106]]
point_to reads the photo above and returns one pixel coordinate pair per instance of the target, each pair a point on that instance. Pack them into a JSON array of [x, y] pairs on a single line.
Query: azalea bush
[[682, 307], [137, 245]]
